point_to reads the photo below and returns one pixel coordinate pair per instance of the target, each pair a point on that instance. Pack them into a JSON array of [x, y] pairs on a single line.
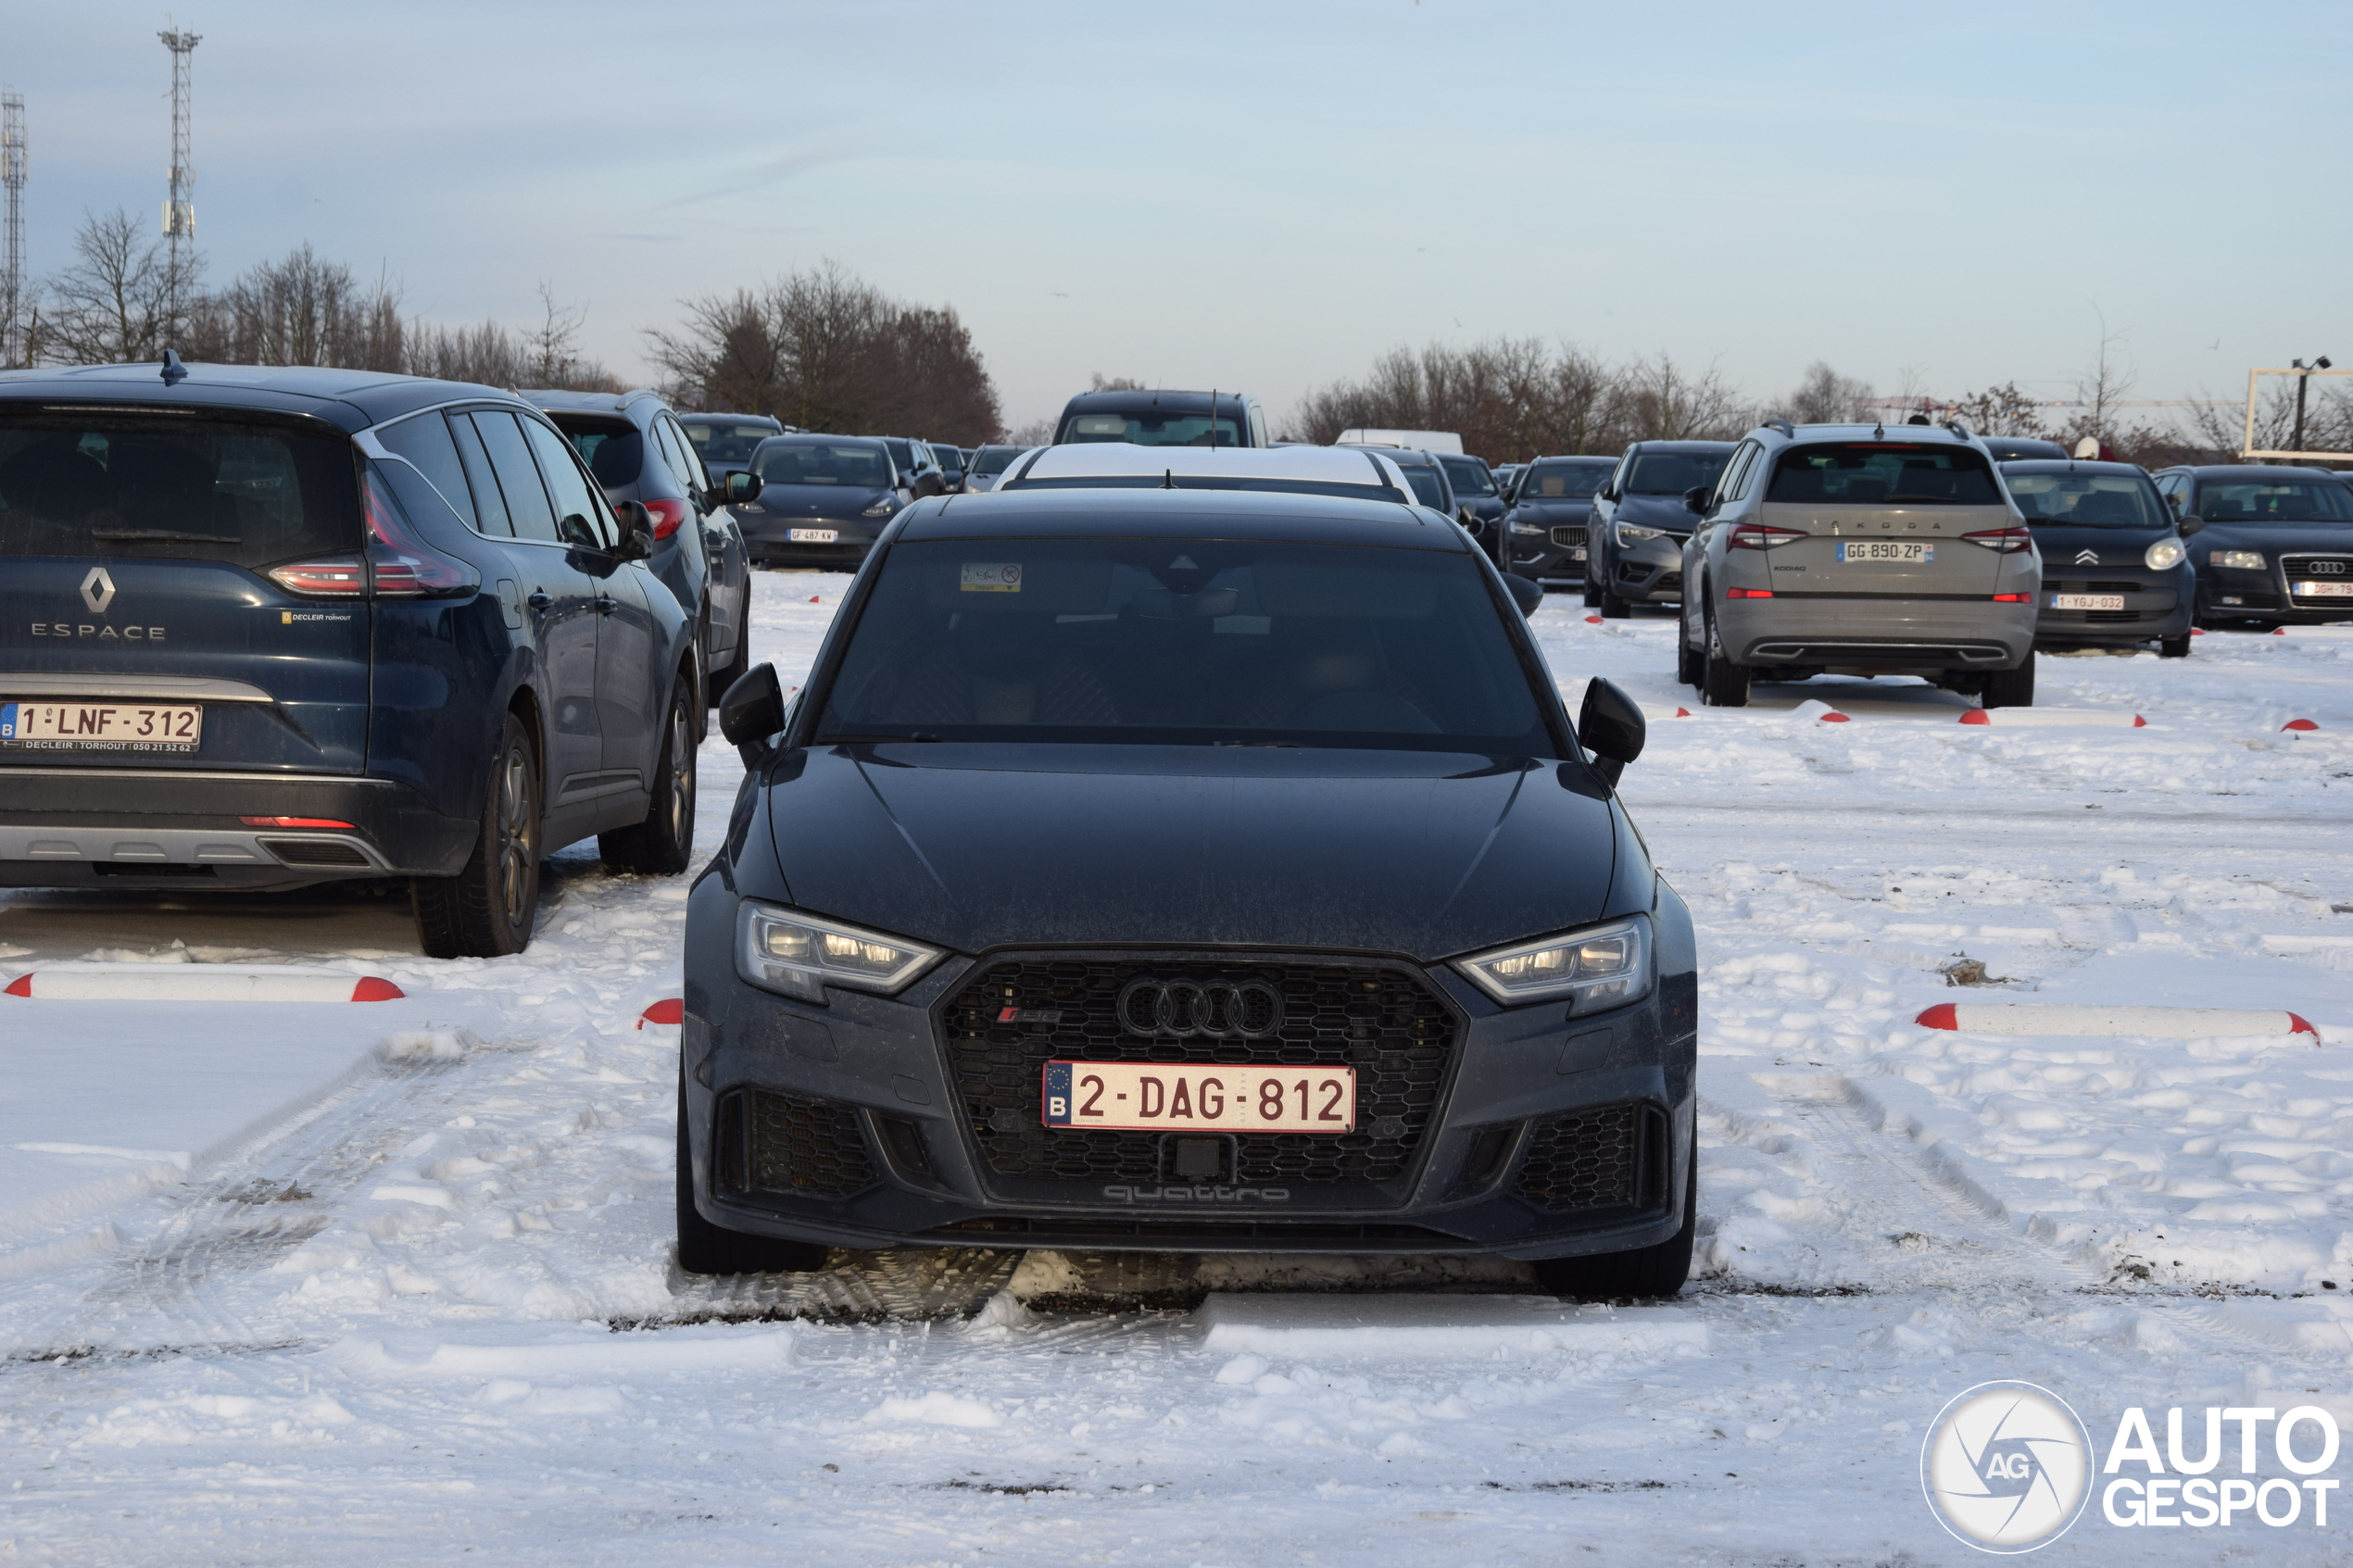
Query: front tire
[[2011, 688], [1722, 683], [1613, 608], [706, 1248], [1592, 593], [487, 910], [2173, 647], [1644, 1274], [664, 842], [1688, 662]]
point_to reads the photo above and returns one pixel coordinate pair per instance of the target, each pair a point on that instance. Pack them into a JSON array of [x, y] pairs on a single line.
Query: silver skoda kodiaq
[[1859, 549]]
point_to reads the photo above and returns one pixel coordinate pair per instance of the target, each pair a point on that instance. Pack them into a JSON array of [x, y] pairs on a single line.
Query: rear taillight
[[403, 566], [2009, 540], [669, 517], [292, 823], [2013, 599], [1748, 593], [1758, 537], [341, 578]]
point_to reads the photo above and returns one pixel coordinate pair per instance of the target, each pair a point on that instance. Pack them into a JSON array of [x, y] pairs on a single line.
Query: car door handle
[[606, 604], [540, 599]]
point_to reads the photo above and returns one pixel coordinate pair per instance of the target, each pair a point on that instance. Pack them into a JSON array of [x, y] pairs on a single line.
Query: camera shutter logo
[[2006, 1467]]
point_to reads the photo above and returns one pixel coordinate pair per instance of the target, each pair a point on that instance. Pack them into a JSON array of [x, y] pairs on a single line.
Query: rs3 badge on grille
[[1190, 1097]]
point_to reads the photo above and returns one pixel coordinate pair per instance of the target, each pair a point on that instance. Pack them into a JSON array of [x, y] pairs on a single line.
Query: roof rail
[[1782, 425]]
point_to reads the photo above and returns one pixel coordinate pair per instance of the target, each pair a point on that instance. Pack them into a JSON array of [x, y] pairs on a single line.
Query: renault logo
[[1211, 1009], [97, 590], [2087, 557]]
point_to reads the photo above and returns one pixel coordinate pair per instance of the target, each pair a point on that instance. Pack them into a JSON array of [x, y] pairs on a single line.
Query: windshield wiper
[[873, 740], [143, 536]]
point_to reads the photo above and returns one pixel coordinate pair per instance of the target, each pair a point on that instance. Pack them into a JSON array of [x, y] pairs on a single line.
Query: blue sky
[[1264, 196]]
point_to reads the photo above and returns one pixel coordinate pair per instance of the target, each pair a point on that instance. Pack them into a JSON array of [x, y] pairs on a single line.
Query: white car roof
[[1120, 459]]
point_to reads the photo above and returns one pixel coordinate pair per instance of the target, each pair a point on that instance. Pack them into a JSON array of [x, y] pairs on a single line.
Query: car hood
[[2274, 539], [815, 500], [1566, 508], [2115, 546], [974, 846], [1656, 511]]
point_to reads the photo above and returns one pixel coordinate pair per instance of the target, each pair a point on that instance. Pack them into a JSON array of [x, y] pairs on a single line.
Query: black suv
[[1552, 505], [1475, 492], [919, 1012], [2274, 546], [639, 452], [266, 628], [1164, 418], [725, 442], [918, 469]]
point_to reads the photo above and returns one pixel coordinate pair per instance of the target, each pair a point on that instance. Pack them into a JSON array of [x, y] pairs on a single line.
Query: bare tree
[[2105, 381], [1101, 383], [2000, 410], [112, 302], [1823, 396]]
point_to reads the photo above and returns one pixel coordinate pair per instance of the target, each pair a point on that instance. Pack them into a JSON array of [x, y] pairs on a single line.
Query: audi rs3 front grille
[[785, 1144], [1016, 1014]]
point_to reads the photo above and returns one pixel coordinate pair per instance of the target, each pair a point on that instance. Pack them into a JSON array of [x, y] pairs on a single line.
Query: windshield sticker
[[986, 578]]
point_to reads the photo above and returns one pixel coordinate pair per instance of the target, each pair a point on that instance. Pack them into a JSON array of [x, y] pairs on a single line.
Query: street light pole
[[2303, 382]]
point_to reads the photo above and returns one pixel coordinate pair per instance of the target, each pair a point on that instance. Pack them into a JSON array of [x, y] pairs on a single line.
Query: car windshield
[[2095, 500], [1184, 642], [725, 443], [1468, 476], [1671, 473], [1151, 427], [101, 483], [1873, 474], [995, 459], [2273, 500], [813, 462], [1426, 488], [1563, 482]]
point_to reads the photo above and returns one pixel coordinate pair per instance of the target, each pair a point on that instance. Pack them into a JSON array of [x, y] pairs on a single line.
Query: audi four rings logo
[[1209, 1010]]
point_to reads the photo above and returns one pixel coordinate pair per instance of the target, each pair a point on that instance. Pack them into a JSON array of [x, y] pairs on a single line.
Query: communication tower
[[12, 172], [178, 211]]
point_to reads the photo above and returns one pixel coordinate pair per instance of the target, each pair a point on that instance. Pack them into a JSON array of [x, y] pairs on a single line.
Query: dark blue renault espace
[[1187, 870], [266, 628]]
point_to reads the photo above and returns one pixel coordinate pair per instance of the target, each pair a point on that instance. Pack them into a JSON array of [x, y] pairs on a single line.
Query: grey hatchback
[[1850, 549]]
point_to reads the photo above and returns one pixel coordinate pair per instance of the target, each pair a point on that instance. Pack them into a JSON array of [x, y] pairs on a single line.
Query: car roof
[[1181, 514], [2255, 471], [351, 401], [588, 402], [1698, 446], [1572, 457], [1121, 459], [768, 420], [810, 437], [2069, 465], [1855, 430], [1137, 398]]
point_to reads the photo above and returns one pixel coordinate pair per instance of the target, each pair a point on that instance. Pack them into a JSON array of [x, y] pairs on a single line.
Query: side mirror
[[742, 485], [751, 710], [1612, 728], [1696, 499], [2189, 525], [636, 531], [1526, 592], [1471, 524]]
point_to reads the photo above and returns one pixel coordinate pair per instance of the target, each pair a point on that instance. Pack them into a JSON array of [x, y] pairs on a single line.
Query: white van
[[1423, 440]]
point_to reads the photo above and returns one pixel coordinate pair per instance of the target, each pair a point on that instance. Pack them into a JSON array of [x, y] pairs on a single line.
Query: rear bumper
[[769, 542], [2156, 604], [120, 827], [1893, 635]]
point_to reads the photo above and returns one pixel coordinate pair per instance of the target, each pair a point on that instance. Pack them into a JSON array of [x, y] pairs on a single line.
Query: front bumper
[[878, 1123], [1907, 635], [769, 542], [2269, 595], [1554, 554], [2156, 604], [82, 827], [1649, 572]]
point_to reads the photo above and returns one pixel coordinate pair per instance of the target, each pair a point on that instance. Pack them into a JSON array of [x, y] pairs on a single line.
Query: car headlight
[[1634, 533], [2238, 561], [1598, 968], [781, 949], [883, 507], [2164, 552], [1528, 528]]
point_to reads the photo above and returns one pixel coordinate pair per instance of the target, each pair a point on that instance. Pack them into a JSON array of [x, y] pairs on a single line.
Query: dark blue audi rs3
[[1185, 870]]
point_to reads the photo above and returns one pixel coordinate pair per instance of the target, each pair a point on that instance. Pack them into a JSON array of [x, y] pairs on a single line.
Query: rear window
[[75, 483], [1563, 482], [2094, 500], [1153, 427], [865, 467], [1468, 476], [2275, 500], [1424, 479], [1184, 642], [720, 443], [1873, 474], [1671, 473]]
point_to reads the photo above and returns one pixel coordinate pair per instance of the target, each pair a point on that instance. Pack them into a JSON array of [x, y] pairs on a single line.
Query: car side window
[[424, 440], [490, 508], [1744, 468], [526, 498], [577, 515], [691, 467]]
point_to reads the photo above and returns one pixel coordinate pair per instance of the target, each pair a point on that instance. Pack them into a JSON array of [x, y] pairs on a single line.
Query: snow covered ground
[[428, 1311]]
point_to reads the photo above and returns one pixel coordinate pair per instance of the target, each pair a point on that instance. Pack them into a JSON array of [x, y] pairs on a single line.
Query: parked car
[[824, 499], [1427, 477], [262, 628], [1639, 523], [1551, 514], [952, 461], [916, 466], [639, 451], [2116, 572], [1363, 473], [1164, 418], [725, 442], [987, 465], [920, 1012], [2276, 546], [1419, 440], [1862, 548], [1475, 488], [2011, 448]]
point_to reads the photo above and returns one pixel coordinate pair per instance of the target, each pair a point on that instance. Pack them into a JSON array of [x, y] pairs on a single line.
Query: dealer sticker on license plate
[[815, 535], [100, 726], [1192, 1096], [2322, 590], [1885, 552], [2087, 601]]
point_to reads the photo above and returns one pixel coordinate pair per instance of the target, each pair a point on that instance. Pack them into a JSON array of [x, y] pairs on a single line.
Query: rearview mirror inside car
[[743, 486], [751, 710], [1526, 592], [1695, 499], [1612, 728]]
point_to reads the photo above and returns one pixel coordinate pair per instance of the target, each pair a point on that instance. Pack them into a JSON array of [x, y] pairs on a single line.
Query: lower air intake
[[782, 1145], [1610, 1157]]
